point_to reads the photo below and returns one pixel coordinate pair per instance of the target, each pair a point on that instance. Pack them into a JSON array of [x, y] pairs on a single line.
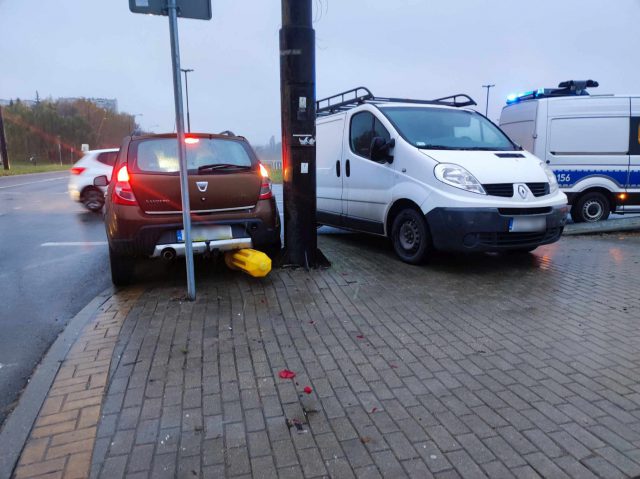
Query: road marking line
[[33, 182], [75, 243]]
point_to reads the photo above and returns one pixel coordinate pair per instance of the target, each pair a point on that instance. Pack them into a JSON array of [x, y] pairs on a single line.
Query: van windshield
[[447, 129]]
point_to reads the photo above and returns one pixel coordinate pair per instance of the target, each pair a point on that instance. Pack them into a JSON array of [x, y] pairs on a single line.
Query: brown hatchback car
[[232, 205]]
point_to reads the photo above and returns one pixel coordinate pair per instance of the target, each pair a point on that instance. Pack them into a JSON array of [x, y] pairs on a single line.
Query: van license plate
[[207, 233], [527, 224]]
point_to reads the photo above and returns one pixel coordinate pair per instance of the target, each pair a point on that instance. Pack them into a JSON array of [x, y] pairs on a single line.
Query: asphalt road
[[44, 280]]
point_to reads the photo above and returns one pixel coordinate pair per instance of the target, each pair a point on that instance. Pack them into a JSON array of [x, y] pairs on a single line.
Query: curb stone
[[18, 425], [609, 226]]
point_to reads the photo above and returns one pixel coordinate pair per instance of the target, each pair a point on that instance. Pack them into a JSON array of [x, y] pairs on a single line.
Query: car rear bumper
[[150, 241], [487, 229], [130, 232], [172, 250]]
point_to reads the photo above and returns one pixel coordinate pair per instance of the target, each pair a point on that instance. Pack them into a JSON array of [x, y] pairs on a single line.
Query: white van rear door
[[519, 123], [329, 169], [589, 137]]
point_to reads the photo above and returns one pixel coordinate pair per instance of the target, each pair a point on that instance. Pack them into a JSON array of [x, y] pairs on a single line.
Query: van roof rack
[[357, 96], [565, 88]]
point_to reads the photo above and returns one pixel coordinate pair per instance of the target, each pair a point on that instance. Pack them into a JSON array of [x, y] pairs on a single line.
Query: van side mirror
[[380, 149], [101, 180]]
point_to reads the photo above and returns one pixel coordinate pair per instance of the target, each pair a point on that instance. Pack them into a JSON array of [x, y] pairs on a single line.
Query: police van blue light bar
[[528, 95], [567, 88]]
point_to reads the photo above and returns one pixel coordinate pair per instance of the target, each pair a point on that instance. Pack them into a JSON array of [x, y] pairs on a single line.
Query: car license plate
[[207, 233], [527, 224]]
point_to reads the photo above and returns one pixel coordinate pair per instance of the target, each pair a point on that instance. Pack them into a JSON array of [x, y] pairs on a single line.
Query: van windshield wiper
[[437, 147], [222, 166], [483, 148]]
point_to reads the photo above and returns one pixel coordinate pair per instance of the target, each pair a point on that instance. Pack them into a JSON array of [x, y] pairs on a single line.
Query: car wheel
[[591, 207], [122, 268], [93, 199], [273, 250], [410, 236]]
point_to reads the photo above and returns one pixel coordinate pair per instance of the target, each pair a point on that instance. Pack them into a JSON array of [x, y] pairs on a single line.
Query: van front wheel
[[410, 236], [591, 207]]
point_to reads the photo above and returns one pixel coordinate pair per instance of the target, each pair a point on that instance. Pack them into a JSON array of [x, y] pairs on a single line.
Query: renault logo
[[522, 191], [202, 186]]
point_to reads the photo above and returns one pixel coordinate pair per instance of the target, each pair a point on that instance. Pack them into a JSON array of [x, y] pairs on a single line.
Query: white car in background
[[94, 163]]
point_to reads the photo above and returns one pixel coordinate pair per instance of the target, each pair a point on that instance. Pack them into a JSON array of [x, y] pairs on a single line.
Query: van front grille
[[525, 211], [518, 239], [539, 189], [499, 189]]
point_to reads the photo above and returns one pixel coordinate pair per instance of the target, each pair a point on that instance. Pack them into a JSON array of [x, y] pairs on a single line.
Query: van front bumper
[[487, 229]]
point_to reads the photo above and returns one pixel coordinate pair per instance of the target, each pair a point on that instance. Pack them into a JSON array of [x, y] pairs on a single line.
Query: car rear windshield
[[160, 155], [447, 129]]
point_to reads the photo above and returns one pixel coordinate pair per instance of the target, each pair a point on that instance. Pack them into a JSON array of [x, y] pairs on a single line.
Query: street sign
[[198, 9]]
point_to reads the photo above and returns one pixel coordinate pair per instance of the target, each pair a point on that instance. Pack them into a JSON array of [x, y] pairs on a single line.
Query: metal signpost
[[198, 9]]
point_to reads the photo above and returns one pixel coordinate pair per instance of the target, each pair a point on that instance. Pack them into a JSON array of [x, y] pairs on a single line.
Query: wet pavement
[[471, 366]]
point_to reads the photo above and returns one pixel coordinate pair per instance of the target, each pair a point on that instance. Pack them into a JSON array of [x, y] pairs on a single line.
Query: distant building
[[110, 104]]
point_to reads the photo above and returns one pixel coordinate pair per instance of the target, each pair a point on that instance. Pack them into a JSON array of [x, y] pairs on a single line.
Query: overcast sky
[[403, 48]]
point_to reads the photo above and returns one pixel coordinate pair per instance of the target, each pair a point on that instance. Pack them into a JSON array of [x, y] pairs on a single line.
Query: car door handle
[[338, 168], [348, 168]]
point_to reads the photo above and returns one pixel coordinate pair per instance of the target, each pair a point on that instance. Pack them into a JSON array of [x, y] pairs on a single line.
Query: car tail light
[[265, 187], [77, 170], [122, 192]]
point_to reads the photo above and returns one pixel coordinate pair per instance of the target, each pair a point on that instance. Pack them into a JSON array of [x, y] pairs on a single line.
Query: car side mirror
[[380, 149], [101, 180]]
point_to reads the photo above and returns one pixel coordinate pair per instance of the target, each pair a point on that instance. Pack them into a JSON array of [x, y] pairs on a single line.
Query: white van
[[592, 142], [431, 175]]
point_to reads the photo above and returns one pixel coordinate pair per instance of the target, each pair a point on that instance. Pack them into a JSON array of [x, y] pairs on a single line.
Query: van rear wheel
[[591, 207], [410, 236]]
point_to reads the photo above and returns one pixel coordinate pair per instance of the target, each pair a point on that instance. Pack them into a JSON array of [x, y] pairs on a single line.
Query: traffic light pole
[[298, 104]]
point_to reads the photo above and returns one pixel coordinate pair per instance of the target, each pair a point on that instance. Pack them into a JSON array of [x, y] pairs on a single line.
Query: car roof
[[224, 136]]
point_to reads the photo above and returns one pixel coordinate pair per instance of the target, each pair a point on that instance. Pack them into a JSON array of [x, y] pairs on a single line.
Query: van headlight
[[458, 177], [551, 176]]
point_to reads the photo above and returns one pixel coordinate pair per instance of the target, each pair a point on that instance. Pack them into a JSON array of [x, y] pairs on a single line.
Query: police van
[[430, 175], [592, 143]]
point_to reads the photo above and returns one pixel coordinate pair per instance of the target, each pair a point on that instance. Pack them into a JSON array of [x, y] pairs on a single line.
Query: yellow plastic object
[[251, 261]]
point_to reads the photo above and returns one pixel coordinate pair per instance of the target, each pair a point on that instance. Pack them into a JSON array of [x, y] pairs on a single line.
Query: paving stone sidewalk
[[481, 366]]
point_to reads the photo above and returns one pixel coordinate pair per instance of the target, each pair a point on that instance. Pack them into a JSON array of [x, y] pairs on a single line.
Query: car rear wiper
[[222, 166]]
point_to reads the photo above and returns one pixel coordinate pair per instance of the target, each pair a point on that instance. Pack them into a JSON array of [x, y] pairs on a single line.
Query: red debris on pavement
[[360, 336], [307, 390], [287, 374]]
